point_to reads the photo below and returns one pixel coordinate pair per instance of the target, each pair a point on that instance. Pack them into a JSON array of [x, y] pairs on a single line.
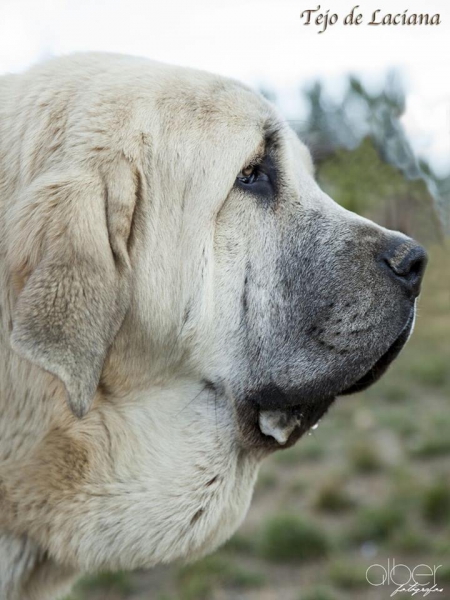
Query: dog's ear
[[69, 243]]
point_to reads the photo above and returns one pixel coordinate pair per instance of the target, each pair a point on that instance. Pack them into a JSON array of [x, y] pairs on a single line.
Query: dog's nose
[[406, 261]]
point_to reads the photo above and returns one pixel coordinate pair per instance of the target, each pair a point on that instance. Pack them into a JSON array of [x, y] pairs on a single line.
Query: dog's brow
[[272, 131], [257, 155]]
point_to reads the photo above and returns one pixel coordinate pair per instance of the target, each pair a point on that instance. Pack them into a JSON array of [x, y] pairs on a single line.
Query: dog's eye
[[247, 175], [251, 175], [258, 180]]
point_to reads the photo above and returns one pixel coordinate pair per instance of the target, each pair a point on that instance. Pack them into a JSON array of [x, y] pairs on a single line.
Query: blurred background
[[373, 104]]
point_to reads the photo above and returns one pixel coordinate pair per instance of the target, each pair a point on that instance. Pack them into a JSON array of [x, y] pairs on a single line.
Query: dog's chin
[[282, 427], [380, 367]]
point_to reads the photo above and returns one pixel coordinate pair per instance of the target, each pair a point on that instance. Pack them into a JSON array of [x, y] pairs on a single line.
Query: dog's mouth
[[284, 426], [380, 367]]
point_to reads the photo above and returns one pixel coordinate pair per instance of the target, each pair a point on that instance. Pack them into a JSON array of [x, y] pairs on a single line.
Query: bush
[[364, 457], [319, 593], [436, 503], [377, 524], [431, 446], [347, 575], [118, 582], [197, 581], [289, 538], [410, 542], [239, 543], [332, 498]]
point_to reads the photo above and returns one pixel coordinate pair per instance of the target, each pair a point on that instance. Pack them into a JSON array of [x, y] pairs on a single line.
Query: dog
[[178, 300]]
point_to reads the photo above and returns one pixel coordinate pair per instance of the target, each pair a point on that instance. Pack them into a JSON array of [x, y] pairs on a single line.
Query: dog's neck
[[160, 469]]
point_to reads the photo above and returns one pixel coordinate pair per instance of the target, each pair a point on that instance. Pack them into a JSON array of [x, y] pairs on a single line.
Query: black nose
[[406, 261]]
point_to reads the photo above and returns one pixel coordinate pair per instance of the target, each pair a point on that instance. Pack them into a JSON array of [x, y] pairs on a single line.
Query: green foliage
[[240, 543], [348, 574], [366, 160], [341, 176], [310, 449], [331, 497], [267, 481], [377, 524], [431, 371], [409, 541], [362, 182], [288, 538], [431, 446], [436, 503], [198, 580], [119, 582], [297, 486], [443, 574], [364, 457], [318, 593], [394, 391]]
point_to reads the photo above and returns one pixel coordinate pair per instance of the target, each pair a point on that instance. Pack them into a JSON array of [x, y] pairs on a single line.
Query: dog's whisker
[[177, 337], [193, 399], [215, 410]]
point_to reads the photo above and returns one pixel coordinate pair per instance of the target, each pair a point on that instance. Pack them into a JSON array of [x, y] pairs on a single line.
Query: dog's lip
[[380, 367], [281, 423]]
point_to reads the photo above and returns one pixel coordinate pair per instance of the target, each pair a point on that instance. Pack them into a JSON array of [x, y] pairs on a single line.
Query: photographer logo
[[419, 581]]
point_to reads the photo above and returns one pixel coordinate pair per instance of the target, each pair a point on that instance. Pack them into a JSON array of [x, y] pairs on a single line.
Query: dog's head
[[181, 233], [196, 297]]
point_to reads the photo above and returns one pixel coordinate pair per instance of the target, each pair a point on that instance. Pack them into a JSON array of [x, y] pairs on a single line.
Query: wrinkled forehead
[[229, 116]]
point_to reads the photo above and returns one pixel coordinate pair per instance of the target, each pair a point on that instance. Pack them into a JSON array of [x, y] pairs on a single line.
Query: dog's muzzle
[[282, 413]]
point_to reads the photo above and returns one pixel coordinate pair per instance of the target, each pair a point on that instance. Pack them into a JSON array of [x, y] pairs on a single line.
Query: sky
[[261, 42]]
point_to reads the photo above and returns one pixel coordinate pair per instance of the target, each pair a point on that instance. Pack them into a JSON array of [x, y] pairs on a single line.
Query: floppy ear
[[69, 247]]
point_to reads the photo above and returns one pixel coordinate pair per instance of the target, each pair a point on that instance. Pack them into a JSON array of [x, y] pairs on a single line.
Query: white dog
[[178, 298]]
